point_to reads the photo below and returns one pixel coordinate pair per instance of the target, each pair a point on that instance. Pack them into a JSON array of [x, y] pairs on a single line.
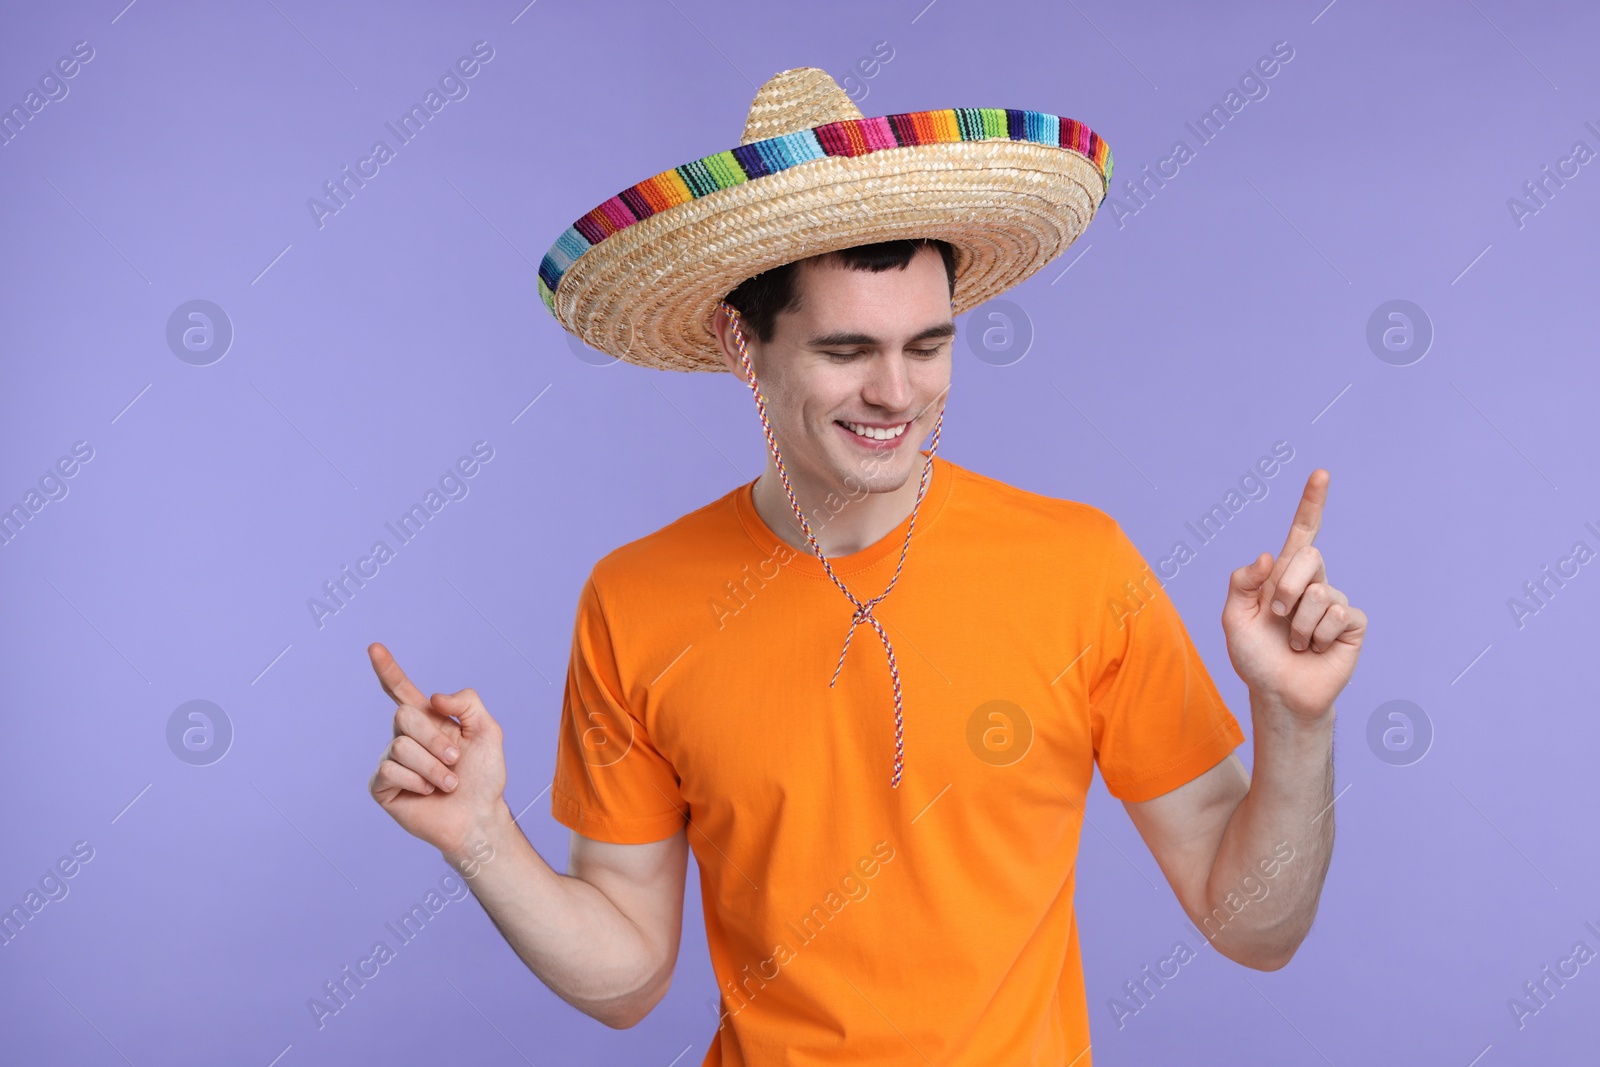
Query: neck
[[842, 524]]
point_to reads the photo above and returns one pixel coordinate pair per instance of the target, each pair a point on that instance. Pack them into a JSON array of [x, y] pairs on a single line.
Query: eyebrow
[[849, 338]]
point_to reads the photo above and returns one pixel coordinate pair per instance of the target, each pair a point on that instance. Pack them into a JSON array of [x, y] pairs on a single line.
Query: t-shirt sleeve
[[1157, 717], [611, 783]]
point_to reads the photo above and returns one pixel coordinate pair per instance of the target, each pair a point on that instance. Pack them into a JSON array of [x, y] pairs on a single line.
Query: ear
[[722, 328]]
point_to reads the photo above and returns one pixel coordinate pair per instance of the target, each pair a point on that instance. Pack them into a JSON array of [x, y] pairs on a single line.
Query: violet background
[[1227, 314]]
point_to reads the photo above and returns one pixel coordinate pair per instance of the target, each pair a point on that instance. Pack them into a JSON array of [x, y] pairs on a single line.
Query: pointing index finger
[[393, 679], [1307, 521]]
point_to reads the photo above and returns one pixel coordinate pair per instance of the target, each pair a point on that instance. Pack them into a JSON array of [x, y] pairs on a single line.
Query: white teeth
[[874, 433]]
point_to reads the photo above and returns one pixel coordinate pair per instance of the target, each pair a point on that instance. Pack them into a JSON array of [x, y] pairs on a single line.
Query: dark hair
[[761, 298]]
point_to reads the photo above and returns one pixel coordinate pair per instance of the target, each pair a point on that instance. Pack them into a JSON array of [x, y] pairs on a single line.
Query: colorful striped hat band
[[863, 612], [848, 137]]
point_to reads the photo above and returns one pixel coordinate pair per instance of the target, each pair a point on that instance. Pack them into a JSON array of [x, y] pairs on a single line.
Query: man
[[887, 864]]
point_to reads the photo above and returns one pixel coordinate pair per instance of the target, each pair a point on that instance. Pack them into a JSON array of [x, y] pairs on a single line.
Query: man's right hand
[[604, 938], [443, 777]]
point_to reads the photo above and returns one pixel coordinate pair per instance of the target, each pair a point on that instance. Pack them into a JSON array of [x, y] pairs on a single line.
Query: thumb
[[467, 708], [1244, 584]]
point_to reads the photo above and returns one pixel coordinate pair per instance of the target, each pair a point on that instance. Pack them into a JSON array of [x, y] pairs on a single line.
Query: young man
[[886, 840]]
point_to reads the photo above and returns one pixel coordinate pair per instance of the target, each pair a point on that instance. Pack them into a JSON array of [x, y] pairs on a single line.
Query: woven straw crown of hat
[[639, 276]]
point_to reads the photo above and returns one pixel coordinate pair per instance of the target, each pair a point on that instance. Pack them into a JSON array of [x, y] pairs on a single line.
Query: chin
[[884, 476]]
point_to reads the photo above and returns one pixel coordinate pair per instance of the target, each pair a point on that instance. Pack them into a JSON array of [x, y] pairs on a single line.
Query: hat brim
[[646, 292]]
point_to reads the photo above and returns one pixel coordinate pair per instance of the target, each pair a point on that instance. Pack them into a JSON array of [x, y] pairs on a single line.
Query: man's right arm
[[603, 937]]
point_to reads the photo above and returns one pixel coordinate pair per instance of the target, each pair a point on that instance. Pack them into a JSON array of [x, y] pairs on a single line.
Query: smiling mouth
[[874, 433]]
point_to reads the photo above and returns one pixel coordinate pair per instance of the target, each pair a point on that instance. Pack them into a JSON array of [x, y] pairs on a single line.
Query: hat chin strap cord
[[863, 612]]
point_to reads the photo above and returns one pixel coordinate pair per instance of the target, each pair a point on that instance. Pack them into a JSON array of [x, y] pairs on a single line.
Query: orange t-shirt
[[848, 921]]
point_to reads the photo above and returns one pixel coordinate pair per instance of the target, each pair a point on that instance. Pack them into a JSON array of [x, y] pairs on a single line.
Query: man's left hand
[[1292, 637]]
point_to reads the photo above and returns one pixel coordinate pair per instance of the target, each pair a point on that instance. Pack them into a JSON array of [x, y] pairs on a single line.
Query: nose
[[888, 383]]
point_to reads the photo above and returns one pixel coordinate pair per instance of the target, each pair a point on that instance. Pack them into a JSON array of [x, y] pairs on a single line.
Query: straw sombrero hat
[[639, 276]]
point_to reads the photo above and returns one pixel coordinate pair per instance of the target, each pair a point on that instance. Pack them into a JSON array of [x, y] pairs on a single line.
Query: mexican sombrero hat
[[639, 276]]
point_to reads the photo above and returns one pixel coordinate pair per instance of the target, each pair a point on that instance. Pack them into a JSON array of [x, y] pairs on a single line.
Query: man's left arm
[[1246, 853]]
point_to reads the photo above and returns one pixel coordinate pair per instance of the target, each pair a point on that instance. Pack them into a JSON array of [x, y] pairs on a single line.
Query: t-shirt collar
[[803, 560]]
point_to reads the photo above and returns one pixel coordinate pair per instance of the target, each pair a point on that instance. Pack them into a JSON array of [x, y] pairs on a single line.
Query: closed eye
[[925, 353]]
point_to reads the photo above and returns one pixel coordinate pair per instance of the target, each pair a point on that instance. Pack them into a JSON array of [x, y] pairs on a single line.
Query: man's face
[[866, 350]]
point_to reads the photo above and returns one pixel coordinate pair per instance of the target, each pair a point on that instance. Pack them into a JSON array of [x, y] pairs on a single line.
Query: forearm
[[1267, 877], [569, 933]]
